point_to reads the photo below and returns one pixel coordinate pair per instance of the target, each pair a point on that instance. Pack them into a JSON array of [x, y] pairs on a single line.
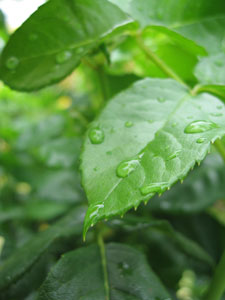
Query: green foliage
[[143, 108]]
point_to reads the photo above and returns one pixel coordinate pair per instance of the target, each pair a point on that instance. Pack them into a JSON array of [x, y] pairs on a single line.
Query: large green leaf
[[159, 132], [50, 44], [203, 187], [211, 69], [25, 257], [202, 21], [79, 275]]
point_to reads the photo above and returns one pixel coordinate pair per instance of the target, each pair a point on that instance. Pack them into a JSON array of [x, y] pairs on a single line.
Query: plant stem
[[217, 286], [160, 63], [104, 264], [220, 148]]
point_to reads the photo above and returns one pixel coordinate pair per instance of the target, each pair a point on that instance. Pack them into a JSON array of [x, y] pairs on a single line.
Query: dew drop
[[63, 56], [96, 136], [154, 188], [124, 268], [12, 62], [161, 99], [200, 140], [33, 37], [174, 155], [174, 124], [219, 106], [129, 124], [109, 152], [216, 114], [126, 167], [200, 126], [150, 121]]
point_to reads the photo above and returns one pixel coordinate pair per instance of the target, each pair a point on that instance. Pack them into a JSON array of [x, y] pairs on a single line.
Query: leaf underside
[[158, 111]]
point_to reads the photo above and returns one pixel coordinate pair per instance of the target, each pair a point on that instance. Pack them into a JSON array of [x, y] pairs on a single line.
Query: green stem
[[104, 265], [217, 286], [160, 63], [220, 148]]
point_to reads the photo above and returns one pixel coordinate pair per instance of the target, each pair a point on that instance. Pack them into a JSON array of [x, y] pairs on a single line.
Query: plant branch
[[104, 264], [160, 63], [217, 286]]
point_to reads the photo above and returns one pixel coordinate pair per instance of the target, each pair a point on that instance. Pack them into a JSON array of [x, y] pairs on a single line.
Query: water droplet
[[161, 99], [201, 140], [96, 136], [174, 155], [95, 169], [79, 50], [109, 152], [219, 106], [150, 121], [216, 114], [190, 117], [154, 188], [129, 124], [63, 56], [126, 167], [124, 268], [174, 124], [200, 126], [33, 37], [12, 62], [94, 210]]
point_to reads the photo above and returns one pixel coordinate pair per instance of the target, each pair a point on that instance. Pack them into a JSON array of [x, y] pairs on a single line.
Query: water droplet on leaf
[[200, 126], [63, 56], [216, 114], [33, 37], [96, 136], [154, 188], [126, 167], [161, 99], [174, 155], [129, 124], [12, 62], [124, 268], [201, 140]]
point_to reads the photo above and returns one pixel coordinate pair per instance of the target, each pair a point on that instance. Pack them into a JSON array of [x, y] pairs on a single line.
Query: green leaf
[[203, 187], [46, 49], [79, 275], [217, 90], [25, 257], [159, 133], [183, 243], [211, 70], [202, 22]]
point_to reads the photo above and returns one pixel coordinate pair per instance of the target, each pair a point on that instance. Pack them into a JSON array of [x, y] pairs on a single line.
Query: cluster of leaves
[[146, 101]]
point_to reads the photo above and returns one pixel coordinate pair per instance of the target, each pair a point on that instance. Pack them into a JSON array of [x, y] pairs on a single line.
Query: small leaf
[[79, 275], [46, 49], [163, 139]]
